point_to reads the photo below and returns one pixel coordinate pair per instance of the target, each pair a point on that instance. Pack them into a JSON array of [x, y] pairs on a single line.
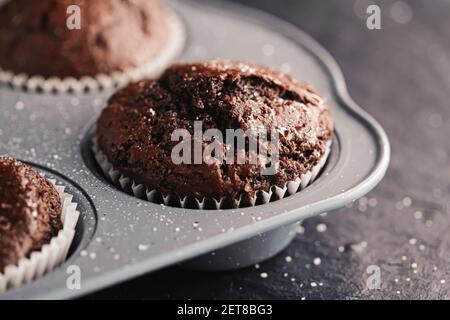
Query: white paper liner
[[261, 197], [50, 255], [174, 46]]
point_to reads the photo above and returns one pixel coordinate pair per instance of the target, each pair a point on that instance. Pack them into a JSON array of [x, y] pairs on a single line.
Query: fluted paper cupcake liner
[[141, 191], [100, 82], [51, 255]]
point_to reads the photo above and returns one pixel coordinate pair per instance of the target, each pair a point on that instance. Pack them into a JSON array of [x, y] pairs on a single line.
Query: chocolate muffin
[[134, 130], [115, 35], [30, 211]]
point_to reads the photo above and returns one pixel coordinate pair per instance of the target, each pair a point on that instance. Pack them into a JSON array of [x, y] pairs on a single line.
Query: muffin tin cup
[[142, 191], [100, 82], [247, 252], [51, 255]]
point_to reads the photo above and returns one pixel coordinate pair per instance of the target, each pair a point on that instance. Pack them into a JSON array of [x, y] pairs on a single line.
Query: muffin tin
[[119, 236]]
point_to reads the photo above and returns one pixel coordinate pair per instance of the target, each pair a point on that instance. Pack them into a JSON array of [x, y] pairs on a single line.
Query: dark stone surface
[[400, 74]]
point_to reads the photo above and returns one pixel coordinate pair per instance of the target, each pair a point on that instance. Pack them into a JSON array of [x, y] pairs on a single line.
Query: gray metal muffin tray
[[120, 237]]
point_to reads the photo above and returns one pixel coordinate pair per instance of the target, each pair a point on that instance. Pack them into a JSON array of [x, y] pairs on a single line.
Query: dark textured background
[[400, 74]]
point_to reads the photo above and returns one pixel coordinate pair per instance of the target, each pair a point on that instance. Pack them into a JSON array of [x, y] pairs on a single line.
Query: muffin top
[[134, 130], [30, 211], [115, 35]]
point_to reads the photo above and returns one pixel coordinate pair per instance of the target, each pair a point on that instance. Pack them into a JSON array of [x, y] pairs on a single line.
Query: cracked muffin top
[[114, 36], [135, 130], [30, 211]]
